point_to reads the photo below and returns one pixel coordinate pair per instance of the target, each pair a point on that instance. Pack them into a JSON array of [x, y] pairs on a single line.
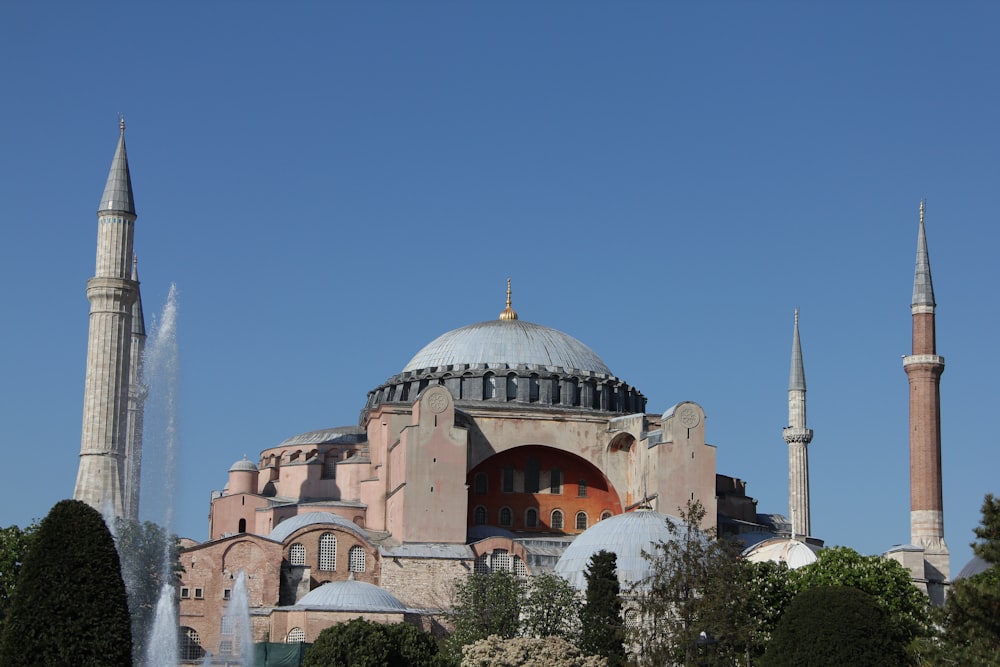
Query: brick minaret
[[798, 437], [112, 293], [923, 369]]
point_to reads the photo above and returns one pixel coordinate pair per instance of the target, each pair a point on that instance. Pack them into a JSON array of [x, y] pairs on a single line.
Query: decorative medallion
[[437, 402], [688, 416]]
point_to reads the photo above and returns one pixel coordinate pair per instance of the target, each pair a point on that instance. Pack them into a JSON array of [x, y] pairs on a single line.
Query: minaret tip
[[508, 313], [121, 122]]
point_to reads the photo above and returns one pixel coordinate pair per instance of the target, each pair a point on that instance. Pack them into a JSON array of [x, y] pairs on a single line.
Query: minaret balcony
[[934, 359], [794, 434]]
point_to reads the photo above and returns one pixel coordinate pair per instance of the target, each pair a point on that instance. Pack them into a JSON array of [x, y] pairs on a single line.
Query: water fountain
[[146, 551], [237, 619]]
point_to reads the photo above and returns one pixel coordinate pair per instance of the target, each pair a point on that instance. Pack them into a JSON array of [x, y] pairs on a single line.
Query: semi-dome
[[281, 532], [351, 595], [627, 535], [508, 343]]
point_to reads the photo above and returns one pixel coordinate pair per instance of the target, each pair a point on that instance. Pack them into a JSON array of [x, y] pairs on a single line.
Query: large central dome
[[503, 343]]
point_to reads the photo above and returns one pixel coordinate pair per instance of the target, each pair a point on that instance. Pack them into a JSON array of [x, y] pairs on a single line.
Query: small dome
[[627, 535], [975, 566], [281, 532], [351, 596], [243, 465], [509, 342], [793, 553]]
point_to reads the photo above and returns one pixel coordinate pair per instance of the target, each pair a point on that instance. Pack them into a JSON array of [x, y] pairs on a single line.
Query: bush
[[361, 643], [70, 606], [834, 626]]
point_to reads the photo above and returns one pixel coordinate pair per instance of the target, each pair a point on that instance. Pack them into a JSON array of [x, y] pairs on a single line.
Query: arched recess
[[541, 494]]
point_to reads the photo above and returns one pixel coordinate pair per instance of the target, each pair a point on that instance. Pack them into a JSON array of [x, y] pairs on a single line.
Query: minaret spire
[[798, 436], [923, 370], [112, 294]]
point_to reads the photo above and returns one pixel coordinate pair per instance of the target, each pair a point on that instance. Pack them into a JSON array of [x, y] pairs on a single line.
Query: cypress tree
[[70, 606], [602, 629]]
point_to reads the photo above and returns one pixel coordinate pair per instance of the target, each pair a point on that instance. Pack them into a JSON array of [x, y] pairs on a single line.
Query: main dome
[[508, 343]]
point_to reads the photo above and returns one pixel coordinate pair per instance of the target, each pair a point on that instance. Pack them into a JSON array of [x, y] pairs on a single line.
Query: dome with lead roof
[[351, 595]]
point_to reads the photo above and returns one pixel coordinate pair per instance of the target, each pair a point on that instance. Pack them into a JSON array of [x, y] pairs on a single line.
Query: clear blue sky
[[333, 185]]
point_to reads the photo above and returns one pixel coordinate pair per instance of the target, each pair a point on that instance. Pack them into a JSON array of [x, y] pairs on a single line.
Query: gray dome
[[793, 553], [351, 596], [497, 343], [627, 535], [243, 464], [281, 532]]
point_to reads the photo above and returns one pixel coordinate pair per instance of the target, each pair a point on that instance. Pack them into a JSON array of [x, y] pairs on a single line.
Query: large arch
[[545, 479]]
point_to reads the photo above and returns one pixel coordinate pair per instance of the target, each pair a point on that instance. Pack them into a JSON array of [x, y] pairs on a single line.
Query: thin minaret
[[923, 370], [136, 403], [112, 293], [798, 437]]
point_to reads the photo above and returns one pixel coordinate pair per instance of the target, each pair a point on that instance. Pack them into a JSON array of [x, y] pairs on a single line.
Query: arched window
[[297, 554], [555, 481], [556, 393], [508, 479], [506, 516], [531, 518], [243, 526], [557, 520], [489, 385], [519, 569], [328, 552], [330, 465], [511, 387], [581, 521], [605, 515], [581, 488], [190, 644], [482, 483], [356, 558], [533, 388], [482, 564], [531, 475], [295, 636], [479, 516]]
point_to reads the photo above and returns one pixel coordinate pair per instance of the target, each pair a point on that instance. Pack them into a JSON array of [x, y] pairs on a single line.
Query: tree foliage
[[603, 630], [485, 605], [834, 626], [883, 579], [697, 584], [361, 643], [70, 606], [143, 548], [527, 652], [14, 545], [551, 608], [971, 617]]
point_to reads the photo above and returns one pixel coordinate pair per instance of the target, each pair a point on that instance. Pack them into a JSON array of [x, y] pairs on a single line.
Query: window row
[[500, 560], [356, 557], [533, 481], [505, 518]]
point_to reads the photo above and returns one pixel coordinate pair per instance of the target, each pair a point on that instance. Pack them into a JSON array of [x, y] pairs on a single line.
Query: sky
[[330, 186]]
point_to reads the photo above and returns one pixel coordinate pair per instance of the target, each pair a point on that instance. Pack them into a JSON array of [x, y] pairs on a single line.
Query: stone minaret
[[136, 403], [798, 438], [112, 293], [923, 369]]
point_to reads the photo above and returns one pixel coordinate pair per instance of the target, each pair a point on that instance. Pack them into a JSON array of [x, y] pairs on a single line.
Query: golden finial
[[508, 312], [922, 202], [121, 122]]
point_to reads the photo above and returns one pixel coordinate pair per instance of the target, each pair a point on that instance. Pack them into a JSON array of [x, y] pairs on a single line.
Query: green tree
[[551, 608], [143, 547], [527, 652], [14, 545], [603, 630], [833, 626], [883, 579], [970, 620], [485, 604], [70, 606], [361, 643]]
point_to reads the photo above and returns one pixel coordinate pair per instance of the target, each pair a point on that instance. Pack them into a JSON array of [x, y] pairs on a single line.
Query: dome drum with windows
[[508, 360]]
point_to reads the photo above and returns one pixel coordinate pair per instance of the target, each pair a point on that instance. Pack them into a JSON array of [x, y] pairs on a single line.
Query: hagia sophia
[[503, 444]]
